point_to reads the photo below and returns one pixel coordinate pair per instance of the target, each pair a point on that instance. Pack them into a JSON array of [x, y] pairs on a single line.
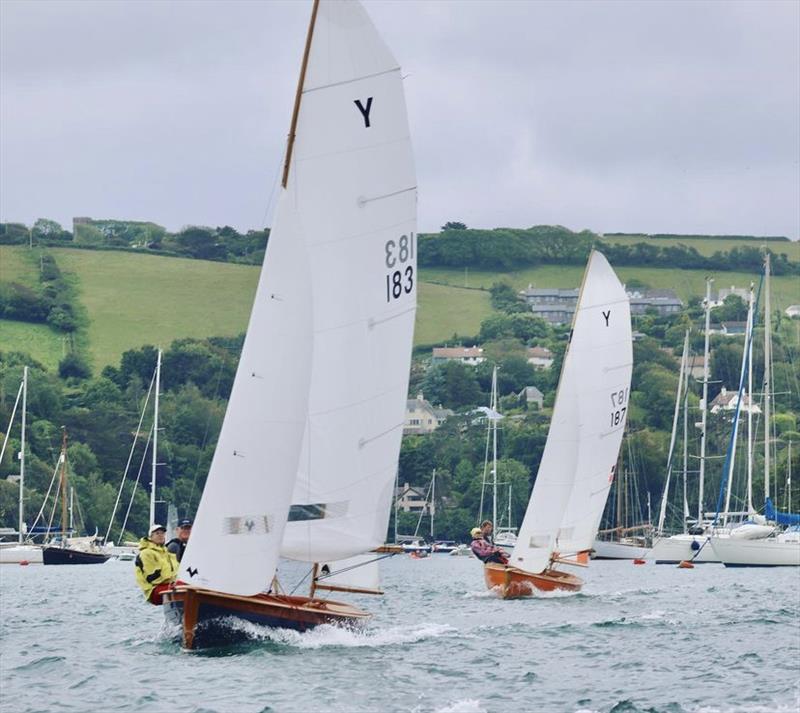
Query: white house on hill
[[422, 417], [466, 355], [728, 400]]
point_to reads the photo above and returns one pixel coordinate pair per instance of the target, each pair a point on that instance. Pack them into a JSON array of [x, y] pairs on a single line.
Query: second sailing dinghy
[[312, 432], [578, 463]]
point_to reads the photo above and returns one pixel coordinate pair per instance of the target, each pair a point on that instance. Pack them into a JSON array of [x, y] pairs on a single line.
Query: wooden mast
[[300, 83]]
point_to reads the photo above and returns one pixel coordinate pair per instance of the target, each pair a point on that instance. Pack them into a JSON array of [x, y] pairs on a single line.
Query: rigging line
[[354, 566], [301, 581], [10, 421], [422, 511], [130, 457], [133, 492], [47, 495]]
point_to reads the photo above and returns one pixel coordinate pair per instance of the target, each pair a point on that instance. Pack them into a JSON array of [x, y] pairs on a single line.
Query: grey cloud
[[654, 116]]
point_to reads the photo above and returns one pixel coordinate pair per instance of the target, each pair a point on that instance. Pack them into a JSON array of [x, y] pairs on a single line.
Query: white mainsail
[[358, 202], [586, 429], [317, 406]]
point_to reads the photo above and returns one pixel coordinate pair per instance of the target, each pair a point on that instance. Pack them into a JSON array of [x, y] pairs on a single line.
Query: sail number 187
[[399, 258], [619, 401]]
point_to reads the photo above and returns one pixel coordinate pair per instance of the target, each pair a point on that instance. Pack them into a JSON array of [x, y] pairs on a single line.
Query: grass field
[[18, 265], [443, 311], [133, 300], [708, 246], [43, 343]]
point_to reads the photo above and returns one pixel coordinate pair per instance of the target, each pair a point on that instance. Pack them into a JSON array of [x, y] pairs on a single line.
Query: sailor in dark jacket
[[155, 567], [177, 545]]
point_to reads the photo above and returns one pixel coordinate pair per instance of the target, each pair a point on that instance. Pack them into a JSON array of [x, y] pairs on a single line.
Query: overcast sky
[[679, 117]]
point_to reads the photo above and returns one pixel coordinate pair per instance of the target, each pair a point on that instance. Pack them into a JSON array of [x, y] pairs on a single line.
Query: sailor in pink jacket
[[485, 551]]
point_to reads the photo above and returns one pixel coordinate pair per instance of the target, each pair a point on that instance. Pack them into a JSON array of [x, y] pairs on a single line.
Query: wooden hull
[[65, 555], [201, 614], [514, 583]]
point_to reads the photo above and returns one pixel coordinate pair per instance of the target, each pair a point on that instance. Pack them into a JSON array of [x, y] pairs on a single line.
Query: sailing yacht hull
[[18, 554], [65, 555], [513, 583], [608, 550], [769, 552], [203, 614], [676, 549]]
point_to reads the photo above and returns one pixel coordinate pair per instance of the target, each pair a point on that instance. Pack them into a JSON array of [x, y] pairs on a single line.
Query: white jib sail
[[242, 513], [355, 189], [605, 363], [597, 365]]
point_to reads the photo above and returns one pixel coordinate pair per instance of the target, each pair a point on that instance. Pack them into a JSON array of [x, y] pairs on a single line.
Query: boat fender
[[24, 563], [638, 561], [695, 545], [684, 564]]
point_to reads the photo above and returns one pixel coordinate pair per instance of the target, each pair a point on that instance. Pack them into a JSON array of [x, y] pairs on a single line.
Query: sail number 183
[[399, 259], [619, 401]]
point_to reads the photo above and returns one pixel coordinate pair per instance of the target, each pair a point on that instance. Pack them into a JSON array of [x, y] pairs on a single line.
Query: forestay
[[355, 188], [577, 465]]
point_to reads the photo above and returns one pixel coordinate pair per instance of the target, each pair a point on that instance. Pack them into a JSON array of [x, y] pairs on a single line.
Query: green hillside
[[709, 245], [133, 299]]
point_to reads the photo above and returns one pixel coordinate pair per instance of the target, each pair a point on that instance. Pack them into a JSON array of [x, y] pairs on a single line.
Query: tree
[[454, 225], [74, 365]]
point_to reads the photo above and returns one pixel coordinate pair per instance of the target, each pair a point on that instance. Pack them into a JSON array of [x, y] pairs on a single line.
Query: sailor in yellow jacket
[[156, 567]]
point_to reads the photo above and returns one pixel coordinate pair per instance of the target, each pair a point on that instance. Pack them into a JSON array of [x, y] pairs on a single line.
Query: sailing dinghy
[[580, 455], [306, 458]]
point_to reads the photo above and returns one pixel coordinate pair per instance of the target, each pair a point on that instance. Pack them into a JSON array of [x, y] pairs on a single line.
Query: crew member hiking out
[[156, 567], [484, 551]]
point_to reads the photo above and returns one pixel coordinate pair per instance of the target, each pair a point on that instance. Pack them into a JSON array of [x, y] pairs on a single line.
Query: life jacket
[[154, 565]]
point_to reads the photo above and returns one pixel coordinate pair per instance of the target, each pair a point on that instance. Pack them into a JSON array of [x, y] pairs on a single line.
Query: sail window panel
[[345, 45], [317, 511], [363, 527]]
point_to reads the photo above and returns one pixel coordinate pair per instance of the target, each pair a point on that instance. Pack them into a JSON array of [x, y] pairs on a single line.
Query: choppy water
[[647, 638]]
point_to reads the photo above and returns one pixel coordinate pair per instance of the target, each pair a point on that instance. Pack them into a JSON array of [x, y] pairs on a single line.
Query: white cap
[[157, 527]]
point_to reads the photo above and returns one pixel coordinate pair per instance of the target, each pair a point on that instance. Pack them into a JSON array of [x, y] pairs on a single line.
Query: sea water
[[637, 638]]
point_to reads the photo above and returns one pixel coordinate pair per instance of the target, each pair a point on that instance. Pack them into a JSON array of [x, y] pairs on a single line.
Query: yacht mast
[[767, 376], [704, 419], [748, 336], [22, 453], [749, 347], [494, 447], [63, 486], [155, 444], [685, 449], [662, 514]]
